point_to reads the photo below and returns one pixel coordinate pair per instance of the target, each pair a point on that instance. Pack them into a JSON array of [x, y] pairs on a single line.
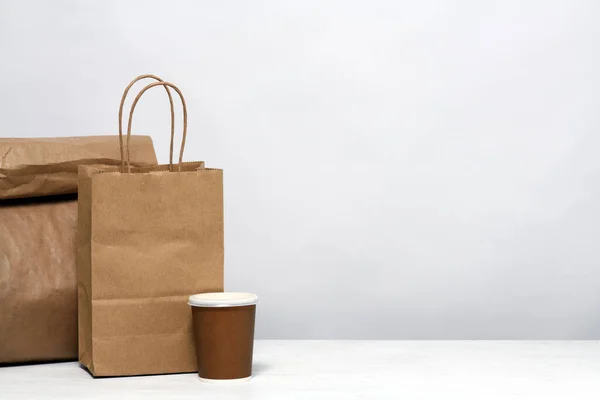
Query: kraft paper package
[[148, 238], [38, 219]]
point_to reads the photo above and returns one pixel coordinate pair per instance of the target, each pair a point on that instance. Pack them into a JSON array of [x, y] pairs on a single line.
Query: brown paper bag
[[147, 239], [38, 289]]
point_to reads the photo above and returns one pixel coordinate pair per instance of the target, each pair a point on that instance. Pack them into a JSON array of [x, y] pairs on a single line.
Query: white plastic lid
[[223, 299]]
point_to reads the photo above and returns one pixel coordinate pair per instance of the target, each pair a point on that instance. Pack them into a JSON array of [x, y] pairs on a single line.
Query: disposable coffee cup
[[224, 335]]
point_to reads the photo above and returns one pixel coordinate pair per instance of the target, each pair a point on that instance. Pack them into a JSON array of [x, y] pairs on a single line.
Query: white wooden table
[[350, 370]]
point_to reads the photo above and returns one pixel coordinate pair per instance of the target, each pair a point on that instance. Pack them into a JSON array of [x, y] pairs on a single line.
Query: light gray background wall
[[393, 169]]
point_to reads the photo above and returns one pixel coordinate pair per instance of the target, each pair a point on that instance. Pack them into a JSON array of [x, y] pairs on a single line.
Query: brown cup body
[[224, 339]]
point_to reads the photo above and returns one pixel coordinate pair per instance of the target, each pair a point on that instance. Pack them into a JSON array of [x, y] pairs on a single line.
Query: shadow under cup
[[223, 326]]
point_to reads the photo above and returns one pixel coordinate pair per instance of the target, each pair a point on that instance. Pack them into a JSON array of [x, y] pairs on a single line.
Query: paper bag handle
[[184, 106], [121, 119]]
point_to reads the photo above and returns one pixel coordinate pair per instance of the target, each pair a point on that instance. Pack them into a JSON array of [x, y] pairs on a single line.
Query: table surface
[[350, 370]]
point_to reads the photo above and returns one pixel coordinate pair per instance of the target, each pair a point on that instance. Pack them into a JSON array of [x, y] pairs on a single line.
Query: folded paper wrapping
[[48, 166], [38, 292]]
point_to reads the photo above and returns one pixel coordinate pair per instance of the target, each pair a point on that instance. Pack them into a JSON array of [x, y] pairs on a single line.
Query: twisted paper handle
[[121, 120], [184, 106]]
